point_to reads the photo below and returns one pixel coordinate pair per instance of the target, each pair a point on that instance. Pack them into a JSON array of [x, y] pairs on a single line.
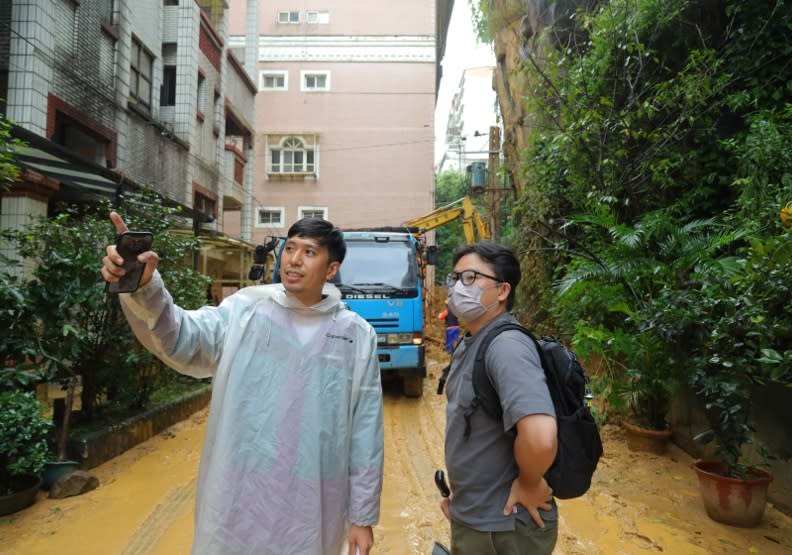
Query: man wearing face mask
[[500, 502]]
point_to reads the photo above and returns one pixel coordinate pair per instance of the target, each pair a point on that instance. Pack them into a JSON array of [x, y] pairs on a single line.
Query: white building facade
[[474, 109]]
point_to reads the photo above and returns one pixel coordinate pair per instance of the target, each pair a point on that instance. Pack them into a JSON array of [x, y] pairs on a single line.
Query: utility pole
[[493, 189]]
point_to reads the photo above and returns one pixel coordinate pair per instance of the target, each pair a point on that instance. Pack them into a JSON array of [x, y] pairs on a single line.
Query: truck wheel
[[412, 386]]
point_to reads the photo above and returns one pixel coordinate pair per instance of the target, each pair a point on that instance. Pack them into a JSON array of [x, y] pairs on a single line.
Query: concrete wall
[[98, 447]]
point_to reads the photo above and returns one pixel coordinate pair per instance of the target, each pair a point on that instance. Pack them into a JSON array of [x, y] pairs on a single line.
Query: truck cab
[[380, 279]]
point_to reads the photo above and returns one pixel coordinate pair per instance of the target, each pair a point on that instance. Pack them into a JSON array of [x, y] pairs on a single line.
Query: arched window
[[292, 155]]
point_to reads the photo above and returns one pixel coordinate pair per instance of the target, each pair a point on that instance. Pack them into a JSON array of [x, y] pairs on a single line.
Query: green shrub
[[81, 330], [24, 432]]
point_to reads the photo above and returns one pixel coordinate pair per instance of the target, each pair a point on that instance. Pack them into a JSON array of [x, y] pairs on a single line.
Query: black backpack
[[579, 443]]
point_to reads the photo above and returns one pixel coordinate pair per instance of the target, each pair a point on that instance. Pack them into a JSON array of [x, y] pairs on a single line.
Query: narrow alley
[[639, 503]]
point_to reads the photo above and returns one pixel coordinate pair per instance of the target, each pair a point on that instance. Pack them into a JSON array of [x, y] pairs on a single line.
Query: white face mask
[[465, 301]]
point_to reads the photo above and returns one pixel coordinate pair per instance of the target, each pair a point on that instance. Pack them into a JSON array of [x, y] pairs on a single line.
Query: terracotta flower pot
[[645, 439], [729, 500]]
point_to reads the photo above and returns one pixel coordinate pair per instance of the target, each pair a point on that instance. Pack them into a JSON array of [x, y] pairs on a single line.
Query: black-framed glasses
[[468, 277]]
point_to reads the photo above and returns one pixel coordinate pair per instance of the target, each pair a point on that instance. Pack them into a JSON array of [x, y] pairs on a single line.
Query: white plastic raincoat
[[293, 450]]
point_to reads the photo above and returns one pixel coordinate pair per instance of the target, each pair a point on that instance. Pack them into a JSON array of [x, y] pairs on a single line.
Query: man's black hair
[[324, 232], [504, 263]]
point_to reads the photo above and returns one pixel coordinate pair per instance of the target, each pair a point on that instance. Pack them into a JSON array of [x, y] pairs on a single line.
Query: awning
[[79, 179], [76, 176], [66, 173], [235, 254]]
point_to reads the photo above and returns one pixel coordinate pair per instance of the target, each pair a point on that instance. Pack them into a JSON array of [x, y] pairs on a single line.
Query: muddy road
[[639, 503]]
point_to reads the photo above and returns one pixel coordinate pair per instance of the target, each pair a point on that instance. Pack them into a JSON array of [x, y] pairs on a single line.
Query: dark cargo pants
[[526, 539]]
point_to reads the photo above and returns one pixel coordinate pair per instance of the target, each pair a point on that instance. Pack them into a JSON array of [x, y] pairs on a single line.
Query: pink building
[[344, 110]]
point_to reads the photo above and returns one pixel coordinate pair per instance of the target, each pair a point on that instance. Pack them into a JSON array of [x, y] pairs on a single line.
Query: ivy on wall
[[660, 136]]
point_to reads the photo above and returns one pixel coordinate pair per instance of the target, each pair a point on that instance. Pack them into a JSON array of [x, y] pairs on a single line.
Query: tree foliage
[[660, 141], [23, 437], [450, 187], [9, 171], [73, 326]]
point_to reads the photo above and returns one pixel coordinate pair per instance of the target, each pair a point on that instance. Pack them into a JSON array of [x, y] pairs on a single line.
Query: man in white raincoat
[[293, 454]]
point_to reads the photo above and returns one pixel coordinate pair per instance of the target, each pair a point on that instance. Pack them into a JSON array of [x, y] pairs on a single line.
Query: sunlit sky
[[462, 51]]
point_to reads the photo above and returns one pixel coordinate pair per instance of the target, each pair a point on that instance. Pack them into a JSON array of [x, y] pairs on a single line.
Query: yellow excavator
[[786, 214], [474, 228], [473, 225]]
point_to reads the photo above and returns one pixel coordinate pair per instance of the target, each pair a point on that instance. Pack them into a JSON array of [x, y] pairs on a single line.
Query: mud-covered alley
[[639, 503]]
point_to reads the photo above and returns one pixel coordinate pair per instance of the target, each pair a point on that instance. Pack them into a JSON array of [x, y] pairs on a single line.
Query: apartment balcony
[[232, 187]]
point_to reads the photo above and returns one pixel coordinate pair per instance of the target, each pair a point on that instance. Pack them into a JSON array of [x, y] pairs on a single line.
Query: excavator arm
[[463, 209]]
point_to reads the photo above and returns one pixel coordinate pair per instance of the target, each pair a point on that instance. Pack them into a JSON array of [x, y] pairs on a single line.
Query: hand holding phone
[[129, 245]]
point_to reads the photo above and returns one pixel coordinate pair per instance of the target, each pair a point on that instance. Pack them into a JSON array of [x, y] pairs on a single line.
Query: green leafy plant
[[629, 299], [24, 432], [450, 186], [81, 333], [728, 403], [9, 171], [747, 310], [479, 12], [748, 346], [638, 377], [21, 365], [644, 109]]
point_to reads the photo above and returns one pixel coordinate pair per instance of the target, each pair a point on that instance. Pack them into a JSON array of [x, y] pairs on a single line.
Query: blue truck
[[381, 279]]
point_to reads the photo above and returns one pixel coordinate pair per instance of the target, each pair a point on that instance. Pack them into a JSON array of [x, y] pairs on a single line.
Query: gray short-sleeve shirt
[[482, 468]]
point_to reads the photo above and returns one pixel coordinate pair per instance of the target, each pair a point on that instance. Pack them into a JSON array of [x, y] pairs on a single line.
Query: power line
[[373, 146]]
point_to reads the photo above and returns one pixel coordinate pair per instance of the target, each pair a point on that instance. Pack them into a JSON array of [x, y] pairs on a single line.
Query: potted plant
[[746, 348], [733, 488], [650, 382], [639, 380], [61, 465], [626, 292], [24, 430]]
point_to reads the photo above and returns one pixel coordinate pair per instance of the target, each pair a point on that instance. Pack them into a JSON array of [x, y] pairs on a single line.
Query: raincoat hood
[[331, 297]]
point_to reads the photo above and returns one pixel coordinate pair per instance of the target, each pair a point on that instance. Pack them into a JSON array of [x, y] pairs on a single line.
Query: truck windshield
[[372, 265]]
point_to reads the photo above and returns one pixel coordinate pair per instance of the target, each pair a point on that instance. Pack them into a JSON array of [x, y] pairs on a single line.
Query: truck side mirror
[[431, 255]]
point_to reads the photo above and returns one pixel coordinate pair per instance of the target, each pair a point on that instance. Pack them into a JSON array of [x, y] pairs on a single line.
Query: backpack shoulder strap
[[484, 393], [444, 373], [559, 362]]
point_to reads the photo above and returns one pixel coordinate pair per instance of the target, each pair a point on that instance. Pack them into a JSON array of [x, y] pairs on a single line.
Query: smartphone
[[440, 482], [129, 245]]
